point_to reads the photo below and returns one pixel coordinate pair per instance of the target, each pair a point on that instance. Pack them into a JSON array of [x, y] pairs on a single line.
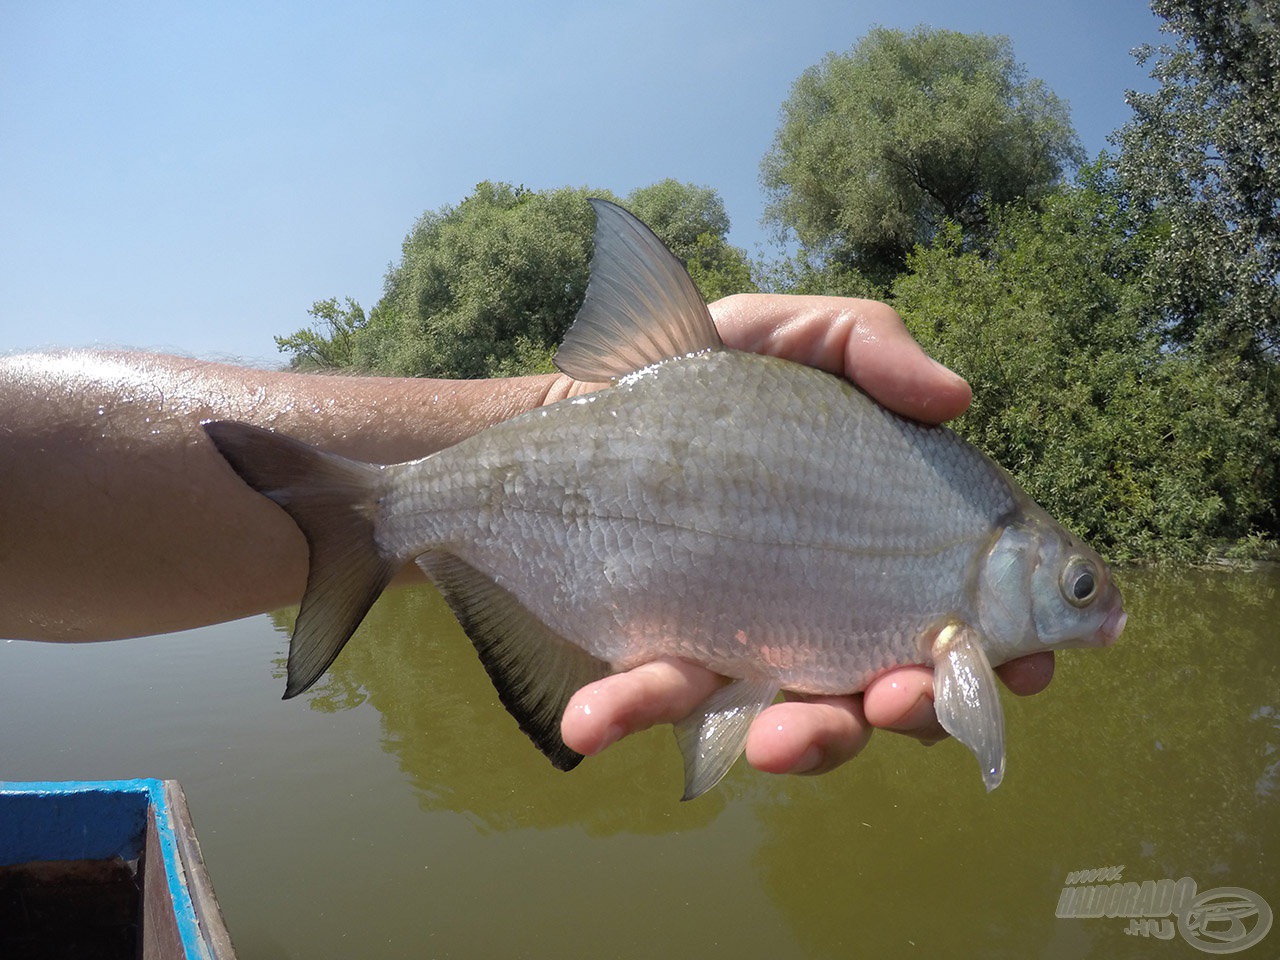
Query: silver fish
[[756, 516]]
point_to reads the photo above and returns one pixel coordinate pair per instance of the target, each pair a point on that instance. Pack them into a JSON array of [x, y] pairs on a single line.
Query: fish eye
[[1079, 582]]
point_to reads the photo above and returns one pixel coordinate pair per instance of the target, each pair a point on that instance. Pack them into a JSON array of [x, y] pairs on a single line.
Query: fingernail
[[951, 374], [612, 734], [809, 761], [920, 714]]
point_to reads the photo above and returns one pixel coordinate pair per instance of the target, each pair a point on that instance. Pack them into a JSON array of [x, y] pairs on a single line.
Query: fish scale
[[758, 517]]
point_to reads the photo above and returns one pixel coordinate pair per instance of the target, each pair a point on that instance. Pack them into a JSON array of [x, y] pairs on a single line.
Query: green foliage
[[330, 346], [1202, 156], [681, 214], [1142, 450], [479, 286], [489, 287], [805, 273], [718, 269], [692, 222], [880, 146]]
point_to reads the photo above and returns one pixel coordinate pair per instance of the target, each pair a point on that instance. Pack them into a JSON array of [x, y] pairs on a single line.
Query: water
[[396, 811]]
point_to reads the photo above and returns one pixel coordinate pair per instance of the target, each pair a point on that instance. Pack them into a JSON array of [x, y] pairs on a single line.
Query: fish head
[[1041, 588], [1075, 600]]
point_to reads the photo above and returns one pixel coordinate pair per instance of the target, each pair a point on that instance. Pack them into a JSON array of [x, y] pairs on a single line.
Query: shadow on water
[[1161, 755]]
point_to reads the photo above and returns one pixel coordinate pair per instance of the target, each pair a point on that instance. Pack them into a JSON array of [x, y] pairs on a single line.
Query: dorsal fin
[[641, 306]]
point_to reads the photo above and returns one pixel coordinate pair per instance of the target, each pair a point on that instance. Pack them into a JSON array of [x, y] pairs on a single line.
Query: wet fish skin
[[759, 517]]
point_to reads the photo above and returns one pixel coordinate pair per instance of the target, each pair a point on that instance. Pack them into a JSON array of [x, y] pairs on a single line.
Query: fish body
[[755, 516], [761, 518]]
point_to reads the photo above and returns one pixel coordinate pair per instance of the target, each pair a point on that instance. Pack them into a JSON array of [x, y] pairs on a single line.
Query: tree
[[333, 344], [1201, 157], [1143, 450], [680, 214], [692, 222], [879, 147], [718, 269], [490, 286]]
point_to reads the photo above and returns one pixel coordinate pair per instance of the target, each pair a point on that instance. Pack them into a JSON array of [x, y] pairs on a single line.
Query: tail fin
[[334, 502]]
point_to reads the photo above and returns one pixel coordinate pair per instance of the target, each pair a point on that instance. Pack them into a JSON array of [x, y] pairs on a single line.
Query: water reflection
[[463, 752], [1161, 754]]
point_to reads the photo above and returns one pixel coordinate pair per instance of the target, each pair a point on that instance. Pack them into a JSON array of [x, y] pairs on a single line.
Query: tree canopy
[[490, 286], [1201, 155], [1142, 450], [880, 146]]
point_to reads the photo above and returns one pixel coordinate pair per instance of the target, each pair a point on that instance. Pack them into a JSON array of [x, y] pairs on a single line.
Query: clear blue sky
[[191, 177]]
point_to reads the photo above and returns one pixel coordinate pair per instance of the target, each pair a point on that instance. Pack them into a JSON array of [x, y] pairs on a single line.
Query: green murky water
[[396, 811]]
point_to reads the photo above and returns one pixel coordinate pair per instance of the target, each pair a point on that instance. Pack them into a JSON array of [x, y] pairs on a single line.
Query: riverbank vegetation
[[1117, 316]]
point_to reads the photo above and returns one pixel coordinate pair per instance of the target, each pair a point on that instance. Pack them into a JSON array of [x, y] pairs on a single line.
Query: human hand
[[866, 342]]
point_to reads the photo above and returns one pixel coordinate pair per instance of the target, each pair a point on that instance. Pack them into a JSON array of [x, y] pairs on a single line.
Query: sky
[[190, 178]]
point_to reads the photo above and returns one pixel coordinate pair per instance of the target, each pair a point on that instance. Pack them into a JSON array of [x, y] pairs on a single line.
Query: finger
[[863, 340], [812, 735], [886, 361], [1027, 675], [807, 329], [902, 700], [662, 691]]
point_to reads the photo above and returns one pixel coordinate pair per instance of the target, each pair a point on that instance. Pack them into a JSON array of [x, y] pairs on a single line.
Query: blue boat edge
[[142, 819]]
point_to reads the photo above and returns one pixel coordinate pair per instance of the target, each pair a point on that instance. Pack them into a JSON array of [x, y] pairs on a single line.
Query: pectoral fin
[[966, 699], [533, 668], [712, 737]]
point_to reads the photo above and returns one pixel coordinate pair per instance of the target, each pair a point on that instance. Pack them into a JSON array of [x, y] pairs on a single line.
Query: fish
[[759, 517]]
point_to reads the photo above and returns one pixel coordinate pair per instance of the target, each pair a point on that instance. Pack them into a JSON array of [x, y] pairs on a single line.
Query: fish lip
[[1112, 626]]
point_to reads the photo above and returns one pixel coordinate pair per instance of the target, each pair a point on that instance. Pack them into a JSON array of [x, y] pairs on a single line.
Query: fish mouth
[[1112, 626]]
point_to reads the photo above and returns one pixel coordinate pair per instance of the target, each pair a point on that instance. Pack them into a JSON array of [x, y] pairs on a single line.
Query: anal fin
[[533, 668], [712, 737], [966, 699]]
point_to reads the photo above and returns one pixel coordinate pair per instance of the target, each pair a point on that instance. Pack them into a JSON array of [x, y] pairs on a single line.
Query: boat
[[104, 869]]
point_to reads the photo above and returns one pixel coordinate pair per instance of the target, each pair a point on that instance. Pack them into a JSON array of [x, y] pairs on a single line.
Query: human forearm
[[117, 518]]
